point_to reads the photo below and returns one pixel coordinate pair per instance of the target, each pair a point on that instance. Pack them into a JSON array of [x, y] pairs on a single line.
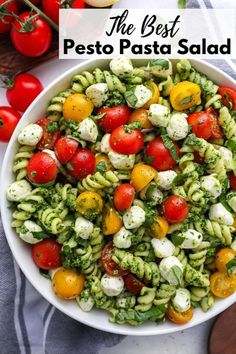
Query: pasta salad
[[126, 191]]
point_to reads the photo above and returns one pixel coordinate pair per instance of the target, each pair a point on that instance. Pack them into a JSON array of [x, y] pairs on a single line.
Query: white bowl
[[21, 251]]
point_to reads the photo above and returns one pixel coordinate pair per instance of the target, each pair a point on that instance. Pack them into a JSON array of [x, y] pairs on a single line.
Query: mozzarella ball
[[160, 67], [169, 267], [18, 190], [85, 301], [181, 301], [227, 156], [121, 162], [152, 193], [112, 286], [121, 66], [141, 95], [29, 231], [105, 144], [212, 185], [88, 130], [122, 239], [159, 115], [163, 248], [165, 179], [177, 127], [220, 214], [98, 94], [30, 135], [83, 227], [134, 217], [191, 239]]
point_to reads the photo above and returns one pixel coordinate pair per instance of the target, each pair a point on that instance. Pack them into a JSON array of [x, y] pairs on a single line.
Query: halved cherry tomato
[[114, 117], [109, 265], [140, 115], [81, 164], [179, 317], [141, 176], [216, 131], [201, 124], [46, 254], [224, 256], [111, 221], [67, 283], [222, 285], [197, 158], [41, 168], [9, 118], [175, 209], [160, 156], [6, 21], [89, 204], [65, 148], [132, 283], [159, 228], [77, 107], [123, 196], [232, 179], [50, 135], [228, 97], [126, 142], [155, 94]]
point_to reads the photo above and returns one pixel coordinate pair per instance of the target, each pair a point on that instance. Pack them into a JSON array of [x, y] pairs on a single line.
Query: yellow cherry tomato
[[155, 94], [67, 283], [77, 107], [111, 221], [103, 158], [89, 204], [179, 317], [222, 285], [224, 256], [159, 228], [141, 176], [184, 95], [140, 115]]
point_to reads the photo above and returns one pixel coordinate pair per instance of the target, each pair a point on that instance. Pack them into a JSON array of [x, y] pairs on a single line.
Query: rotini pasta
[[21, 161]]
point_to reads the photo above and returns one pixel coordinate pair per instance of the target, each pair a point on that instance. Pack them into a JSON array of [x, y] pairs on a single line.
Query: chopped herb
[[177, 239], [97, 116], [101, 167], [231, 266], [148, 159], [187, 100], [169, 144], [177, 273], [131, 97], [132, 126], [52, 127], [231, 144], [159, 62], [44, 273], [180, 178]]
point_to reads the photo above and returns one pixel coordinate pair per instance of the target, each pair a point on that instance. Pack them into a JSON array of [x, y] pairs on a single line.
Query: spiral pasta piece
[[213, 228], [21, 160], [68, 194], [166, 86], [55, 107], [145, 299], [144, 270], [50, 220], [164, 293], [198, 255], [197, 294], [97, 242], [97, 181], [195, 277], [180, 254], [227, 123]]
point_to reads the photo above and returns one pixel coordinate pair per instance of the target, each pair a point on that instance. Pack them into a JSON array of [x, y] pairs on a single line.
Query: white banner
[[142, 33]]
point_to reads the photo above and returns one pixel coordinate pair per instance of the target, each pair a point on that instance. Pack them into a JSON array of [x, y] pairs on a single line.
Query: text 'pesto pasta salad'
[[127, 191]]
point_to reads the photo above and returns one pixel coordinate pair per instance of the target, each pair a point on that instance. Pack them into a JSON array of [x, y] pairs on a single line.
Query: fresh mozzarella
[[159, 115], [220, 214], [191, 239], [31, 232], [18, 190], [50, 153], [121, 162], [231, 199], [122, 239], [125, 301], [85, 301], [160, 67], [83, 227], [112, 286], [152, 193], [177, 127], [141, 95], [98, 94], [165, 179], [212, 185], [121, 66], [163, 248], [105, 144], [227, 156], [181, 300], [171, 270], [30, 135], [134, 217], [88, 130]]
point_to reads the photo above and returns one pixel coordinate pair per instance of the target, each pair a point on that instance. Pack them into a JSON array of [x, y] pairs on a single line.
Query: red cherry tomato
[[232, 179], [35, 2], [198, 158], [50, 135], [9, 118], [201, 124], [123, 196], [6, 21], [160, 156], [125, 142], [175, 209], [228, 97], [41, 168], [114, 117], [51, 7], [216, 131], [23, 90], [46, 254], [65, 148], [34, 42], [81, 164], [109, 265], [133, 284]]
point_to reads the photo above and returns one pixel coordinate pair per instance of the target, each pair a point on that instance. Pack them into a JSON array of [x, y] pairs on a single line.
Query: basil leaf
[[101, 167], [169, 144], [131, 97], [231, 266], [148, 159], [44, 273], [177, 239], [181, 4], [132, 126], [177, 273], [138, 316], [181, 177], [97, 116], [159, 62], [186, 100], [231, 144], [52, 127]]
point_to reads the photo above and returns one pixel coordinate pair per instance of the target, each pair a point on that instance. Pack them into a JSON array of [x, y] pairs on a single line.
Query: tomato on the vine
[[81, 164], [52, 7], [175, 209], [201, 124], [9, 118], [31, 36], [51, 134], [123, 196], [6, 21], [22, 90], [114, 117], [125, 140], [41, 168], [228, 97], [65, 148], [109, 265], [46, 254]]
